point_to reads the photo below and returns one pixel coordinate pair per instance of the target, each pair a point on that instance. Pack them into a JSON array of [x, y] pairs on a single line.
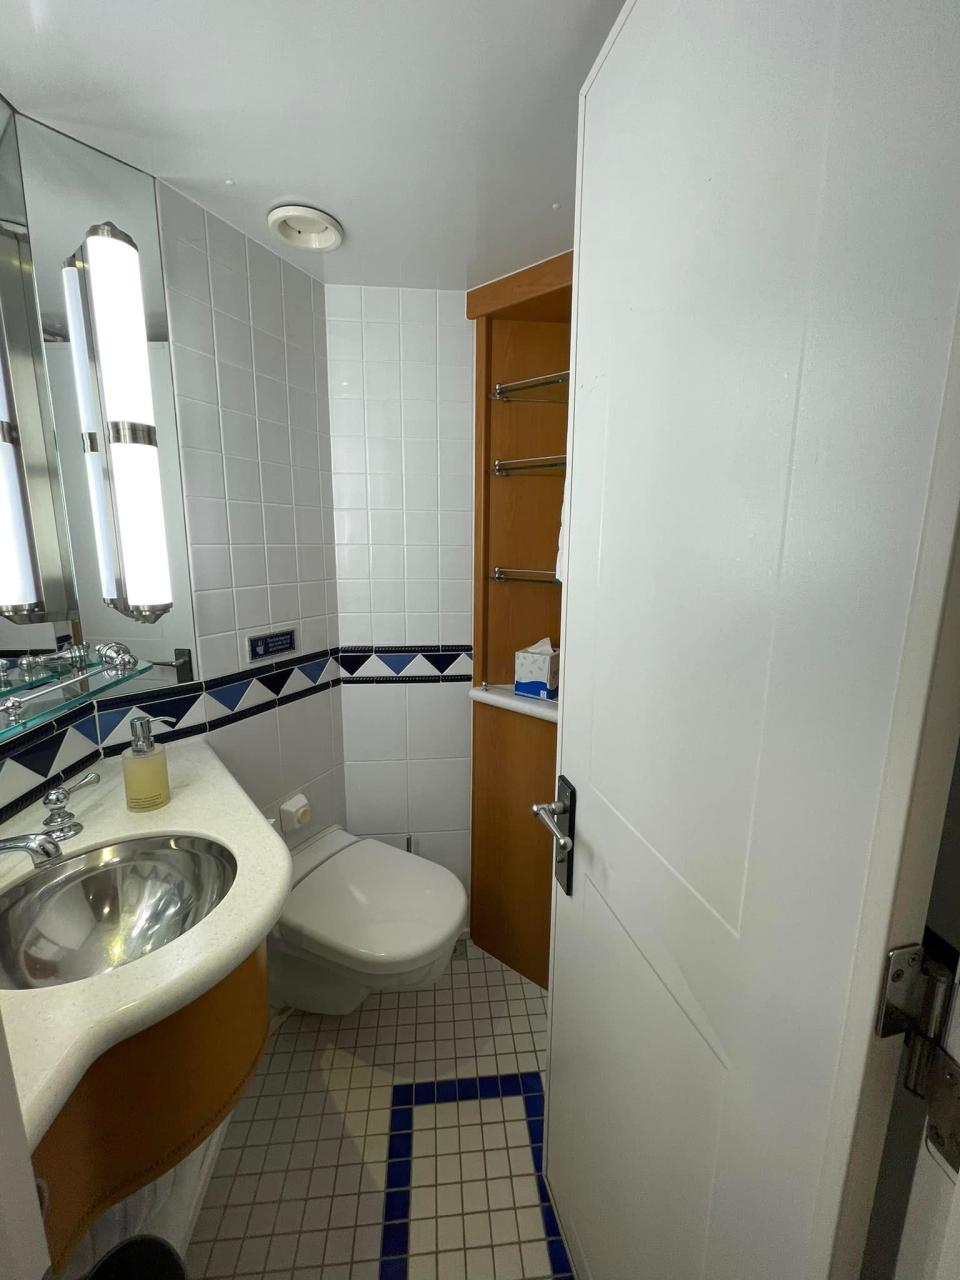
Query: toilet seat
[[373, 909]]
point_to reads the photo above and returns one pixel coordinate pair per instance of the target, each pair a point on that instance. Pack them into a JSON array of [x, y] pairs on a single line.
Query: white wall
[[407, 770], [249, 358], [348, 517], [401, 422]]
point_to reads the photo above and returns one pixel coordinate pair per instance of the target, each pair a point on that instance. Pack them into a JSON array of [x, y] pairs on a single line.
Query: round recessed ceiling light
[[307, 228]]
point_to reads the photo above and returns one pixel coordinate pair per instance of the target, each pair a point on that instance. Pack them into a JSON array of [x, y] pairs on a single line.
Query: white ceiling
[[440, 132]]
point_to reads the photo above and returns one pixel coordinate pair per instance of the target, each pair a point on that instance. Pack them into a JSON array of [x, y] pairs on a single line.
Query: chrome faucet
[[63, 824], [60, 825], [40, 846]]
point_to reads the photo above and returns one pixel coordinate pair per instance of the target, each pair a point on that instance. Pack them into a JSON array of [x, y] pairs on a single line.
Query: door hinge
[[916, 1000]]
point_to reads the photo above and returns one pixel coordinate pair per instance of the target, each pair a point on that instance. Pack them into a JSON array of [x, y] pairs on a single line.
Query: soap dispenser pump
[[145, 779]]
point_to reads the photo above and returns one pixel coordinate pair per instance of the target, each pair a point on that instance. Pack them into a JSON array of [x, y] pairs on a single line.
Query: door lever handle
[[548, 814]]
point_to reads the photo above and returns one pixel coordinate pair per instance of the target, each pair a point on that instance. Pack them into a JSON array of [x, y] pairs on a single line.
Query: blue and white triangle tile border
[[32, 761]]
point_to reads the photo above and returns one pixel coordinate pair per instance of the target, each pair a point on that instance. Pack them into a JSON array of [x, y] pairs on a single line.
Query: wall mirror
[[89, 449]]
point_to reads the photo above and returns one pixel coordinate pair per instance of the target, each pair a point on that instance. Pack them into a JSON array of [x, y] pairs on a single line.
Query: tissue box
[[537, 671]]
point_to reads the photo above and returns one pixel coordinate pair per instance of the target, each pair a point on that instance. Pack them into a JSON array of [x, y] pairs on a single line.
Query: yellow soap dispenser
[[145, 779]]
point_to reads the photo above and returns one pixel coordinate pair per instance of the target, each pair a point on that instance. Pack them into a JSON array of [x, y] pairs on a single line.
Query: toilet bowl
[[362, 916]]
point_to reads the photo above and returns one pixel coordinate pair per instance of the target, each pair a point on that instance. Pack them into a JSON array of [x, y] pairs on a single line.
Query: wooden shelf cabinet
[[522, 331]]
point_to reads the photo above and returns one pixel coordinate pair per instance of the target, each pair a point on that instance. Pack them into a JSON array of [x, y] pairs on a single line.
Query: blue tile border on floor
[[394, 1257]]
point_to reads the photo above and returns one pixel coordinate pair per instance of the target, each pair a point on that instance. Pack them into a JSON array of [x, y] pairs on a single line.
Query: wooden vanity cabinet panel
[[145, 1104]]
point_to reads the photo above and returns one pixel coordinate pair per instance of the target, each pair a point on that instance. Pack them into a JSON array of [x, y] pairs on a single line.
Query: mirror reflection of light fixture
[[111, 369], [20, 598]]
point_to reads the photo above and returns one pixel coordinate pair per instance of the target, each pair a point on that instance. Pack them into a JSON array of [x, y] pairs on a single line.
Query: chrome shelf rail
[[548, 462], [507, 391], [543, 576]]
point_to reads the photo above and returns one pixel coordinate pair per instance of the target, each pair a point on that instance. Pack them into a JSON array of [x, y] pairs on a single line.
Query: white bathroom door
[[764, 483]]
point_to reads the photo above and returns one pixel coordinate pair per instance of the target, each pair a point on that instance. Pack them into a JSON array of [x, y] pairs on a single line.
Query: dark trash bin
[[142, 1258]]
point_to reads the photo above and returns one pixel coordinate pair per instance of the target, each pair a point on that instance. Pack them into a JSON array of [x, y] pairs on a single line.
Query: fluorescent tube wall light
[[111, 370], [20, 598]]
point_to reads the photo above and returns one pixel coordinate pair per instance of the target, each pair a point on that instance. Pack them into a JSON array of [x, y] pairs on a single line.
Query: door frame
[[925, 729]]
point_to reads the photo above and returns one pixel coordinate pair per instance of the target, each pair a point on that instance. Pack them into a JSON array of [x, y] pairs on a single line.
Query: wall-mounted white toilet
[[362, 916]]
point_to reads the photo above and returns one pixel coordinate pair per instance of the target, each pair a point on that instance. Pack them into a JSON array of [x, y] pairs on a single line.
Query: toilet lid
[[374, 908]]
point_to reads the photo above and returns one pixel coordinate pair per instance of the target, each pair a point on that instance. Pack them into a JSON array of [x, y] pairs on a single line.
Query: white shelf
[[502, 695]]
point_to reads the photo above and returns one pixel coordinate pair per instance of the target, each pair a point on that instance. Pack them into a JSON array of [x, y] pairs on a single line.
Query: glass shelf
[[549, 388], [18, 681], [54, 700]]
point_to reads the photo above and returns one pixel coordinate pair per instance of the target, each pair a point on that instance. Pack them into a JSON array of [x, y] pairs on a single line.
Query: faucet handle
[[56, 801]]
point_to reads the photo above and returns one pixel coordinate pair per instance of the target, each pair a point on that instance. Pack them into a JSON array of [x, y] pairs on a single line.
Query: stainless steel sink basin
[[79, 916]]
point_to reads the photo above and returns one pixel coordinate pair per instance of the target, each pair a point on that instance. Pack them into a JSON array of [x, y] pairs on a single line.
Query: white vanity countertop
[[55, 1033]]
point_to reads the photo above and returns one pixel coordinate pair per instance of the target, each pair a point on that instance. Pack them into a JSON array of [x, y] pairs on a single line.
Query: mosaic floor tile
[[402, 1142]]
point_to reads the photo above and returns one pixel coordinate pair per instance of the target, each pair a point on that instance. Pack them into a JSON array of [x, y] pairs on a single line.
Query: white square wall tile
[[455, 419], [386, 527], [342, 301], [380, 303], [374, 722], [384, 456], [456, 596], [438, 721], [422, 595], [454, 382], [346, 379], [381, 341], [456, 628], [346, 417], [451, 306], [376, 795], [420, 457], [266, 295], [306, 741], [210, 568], [191, 322], [386, 561], [385, 492], [180, 218], [251, 751], [353, 561], [420, 527], [381, 380], [456, 562], [354, 628], [421, 562], [419, 419], [202, 474], [206, 520], [423, 628], [199, 424], [456, 528], [387, 597], [353, 595], [419, 381], [418, 342], [455, 343], [344, 340], [450, 849], [218, 655], [456, 458], [439, 795], [418, 306]]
